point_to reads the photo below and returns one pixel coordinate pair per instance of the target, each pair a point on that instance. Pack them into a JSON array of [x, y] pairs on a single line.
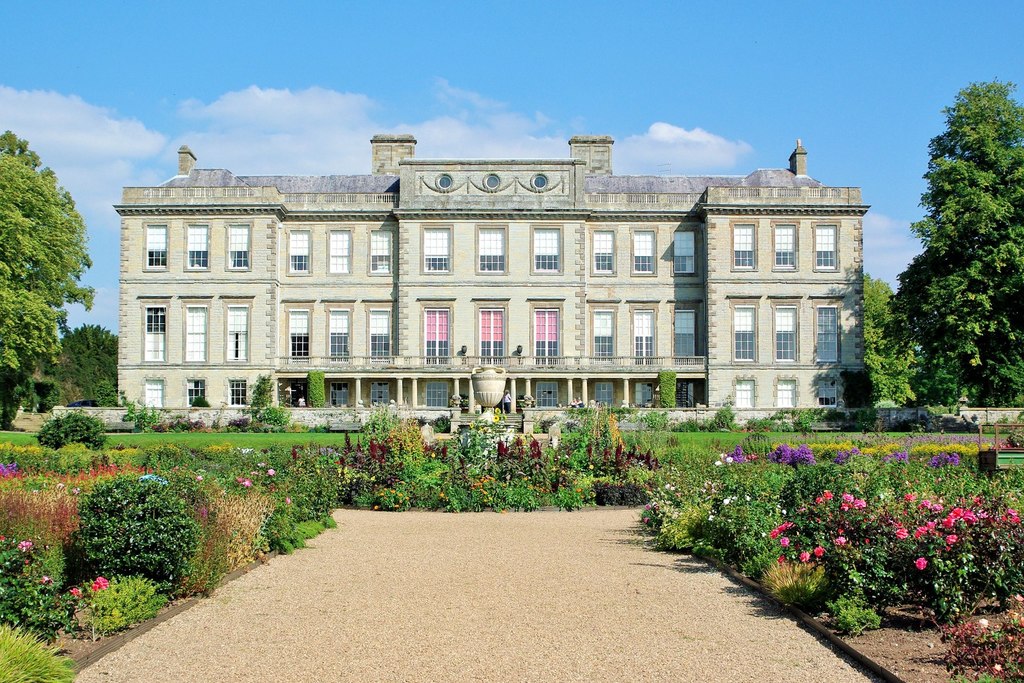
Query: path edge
[[116, 642], [808, 622]]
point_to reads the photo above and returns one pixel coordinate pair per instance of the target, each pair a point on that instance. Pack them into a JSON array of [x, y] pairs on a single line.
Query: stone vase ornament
[[488, 387]]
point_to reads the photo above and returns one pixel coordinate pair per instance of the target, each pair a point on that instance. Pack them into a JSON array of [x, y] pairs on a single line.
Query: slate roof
[[763, 177]]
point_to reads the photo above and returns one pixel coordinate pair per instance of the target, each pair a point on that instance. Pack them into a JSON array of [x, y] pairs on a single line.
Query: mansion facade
[[583, 284]]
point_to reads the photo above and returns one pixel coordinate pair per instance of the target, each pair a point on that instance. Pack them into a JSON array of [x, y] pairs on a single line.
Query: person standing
[[506, 402]]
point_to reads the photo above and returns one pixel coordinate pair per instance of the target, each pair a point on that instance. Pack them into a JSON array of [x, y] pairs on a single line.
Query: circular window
[[445, 182], [491, 181], [540, 181]]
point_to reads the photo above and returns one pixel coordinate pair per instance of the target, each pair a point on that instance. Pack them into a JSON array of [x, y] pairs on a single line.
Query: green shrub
[[106, 393], [25, 659], [317, 394], [684, 531], [29, 597], [143, 417], [72, 427], [724, 418], [275, 417], [125, 602], [262, 394], [797, 583], [851, 614], [200, 402], [654, 420], [667, 382], [137, 526]]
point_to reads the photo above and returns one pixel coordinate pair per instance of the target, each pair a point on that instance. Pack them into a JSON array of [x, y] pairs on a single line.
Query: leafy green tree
[[888, 354], [87, 365], [962, 298], [42, 259]]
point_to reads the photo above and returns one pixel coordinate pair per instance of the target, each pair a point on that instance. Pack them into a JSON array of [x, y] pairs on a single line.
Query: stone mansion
[[583, 284]]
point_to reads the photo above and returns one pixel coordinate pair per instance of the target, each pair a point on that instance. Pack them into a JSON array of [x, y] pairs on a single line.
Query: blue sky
[[105, 92]]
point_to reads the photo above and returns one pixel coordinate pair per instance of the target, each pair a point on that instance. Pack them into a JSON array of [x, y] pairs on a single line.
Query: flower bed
[[854, 528]]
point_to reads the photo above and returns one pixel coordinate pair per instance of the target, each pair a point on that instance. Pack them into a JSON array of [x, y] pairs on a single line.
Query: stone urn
[[488, 387]]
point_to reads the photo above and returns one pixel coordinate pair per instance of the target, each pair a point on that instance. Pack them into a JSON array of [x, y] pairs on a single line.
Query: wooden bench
[[344, 426], [120, 426], [826, 427]]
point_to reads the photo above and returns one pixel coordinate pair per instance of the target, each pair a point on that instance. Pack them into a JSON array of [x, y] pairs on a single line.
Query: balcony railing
[[603, 364]]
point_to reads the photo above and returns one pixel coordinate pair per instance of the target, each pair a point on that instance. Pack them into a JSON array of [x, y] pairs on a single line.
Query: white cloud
[[668, 148], [92, 149], [889, 246]]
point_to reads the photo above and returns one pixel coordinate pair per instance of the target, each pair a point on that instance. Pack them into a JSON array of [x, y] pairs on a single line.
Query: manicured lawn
[[199, 439]]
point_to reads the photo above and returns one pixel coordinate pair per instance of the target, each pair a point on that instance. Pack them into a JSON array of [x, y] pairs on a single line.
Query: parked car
[[84, 403]]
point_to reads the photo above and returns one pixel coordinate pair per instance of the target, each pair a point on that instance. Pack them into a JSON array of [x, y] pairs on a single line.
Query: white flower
[[718, 463], [729, 459], [983, 623], [748, 498]]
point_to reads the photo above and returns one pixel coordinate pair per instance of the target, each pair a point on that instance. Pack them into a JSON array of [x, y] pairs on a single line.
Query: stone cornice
[[201, 210], [504, 214], [782, 210]]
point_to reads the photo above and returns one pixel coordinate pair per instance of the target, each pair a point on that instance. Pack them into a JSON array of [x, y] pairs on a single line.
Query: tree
[[888, 354], [42, 259], [962, 298], [87, 365]]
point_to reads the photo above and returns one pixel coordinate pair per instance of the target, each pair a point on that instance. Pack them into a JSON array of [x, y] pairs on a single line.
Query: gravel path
[[419, 596]]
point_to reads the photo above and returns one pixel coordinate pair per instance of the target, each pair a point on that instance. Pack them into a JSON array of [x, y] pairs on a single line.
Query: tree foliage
[[962, 299], [42, 259], [86, 366], [888, 354]]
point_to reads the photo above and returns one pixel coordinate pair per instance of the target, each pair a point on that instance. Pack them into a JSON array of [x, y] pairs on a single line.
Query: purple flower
[[843, 457], [945, 459], [898, 456], [737, 455], [787, 455]]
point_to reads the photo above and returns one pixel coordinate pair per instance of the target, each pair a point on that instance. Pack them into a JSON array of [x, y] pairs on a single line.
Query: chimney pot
[[388, 150], [798, 159], [186, 160]]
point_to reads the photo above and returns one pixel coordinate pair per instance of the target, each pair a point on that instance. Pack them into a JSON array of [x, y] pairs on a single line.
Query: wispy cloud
[[675, 150], [888, 246]]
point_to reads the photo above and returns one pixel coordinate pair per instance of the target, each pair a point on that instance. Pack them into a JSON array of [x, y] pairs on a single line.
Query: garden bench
[[344, 426], [826, 427], [120, 426]]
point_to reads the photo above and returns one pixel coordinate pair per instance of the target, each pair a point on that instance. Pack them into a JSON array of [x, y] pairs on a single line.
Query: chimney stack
[[595, 150], [186, 160], [388, 150], [798, 159]]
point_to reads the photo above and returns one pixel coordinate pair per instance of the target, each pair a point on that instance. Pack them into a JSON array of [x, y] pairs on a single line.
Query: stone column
[[359, 392], [401, 391], [585, 396], [415, 393], [569, 383], [527, 391], [625, 391], [472, 397], [512, 392]]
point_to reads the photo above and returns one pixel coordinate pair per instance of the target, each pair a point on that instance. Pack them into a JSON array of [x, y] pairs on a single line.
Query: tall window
[[196, 389], [546, 244], [604, 393], [643, 252], [238, 332], [156, 246], [380, 334], [195, 333], [154, 393], [436, 335], [238, 246], [156, 332], [743, 331], [238, 392], [298, 334], [491, 250], [339, 393], [198, 246], [547, 394], [604, 252], [338, 334], [683, 252], [437, 394], [380, 393], [298, 250], [745, 393], [643, 335], [785, 247], [785, 394], [785, 333], [743, 246], [825, 247], [827, 395], [545, 330], [685, 333], [492, 333], [435, 250], [604, 340], [380, 252], [828, 334], [340, 251]]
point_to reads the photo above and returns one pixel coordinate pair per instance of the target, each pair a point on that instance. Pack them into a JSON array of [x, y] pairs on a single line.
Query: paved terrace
[[418, 596]]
